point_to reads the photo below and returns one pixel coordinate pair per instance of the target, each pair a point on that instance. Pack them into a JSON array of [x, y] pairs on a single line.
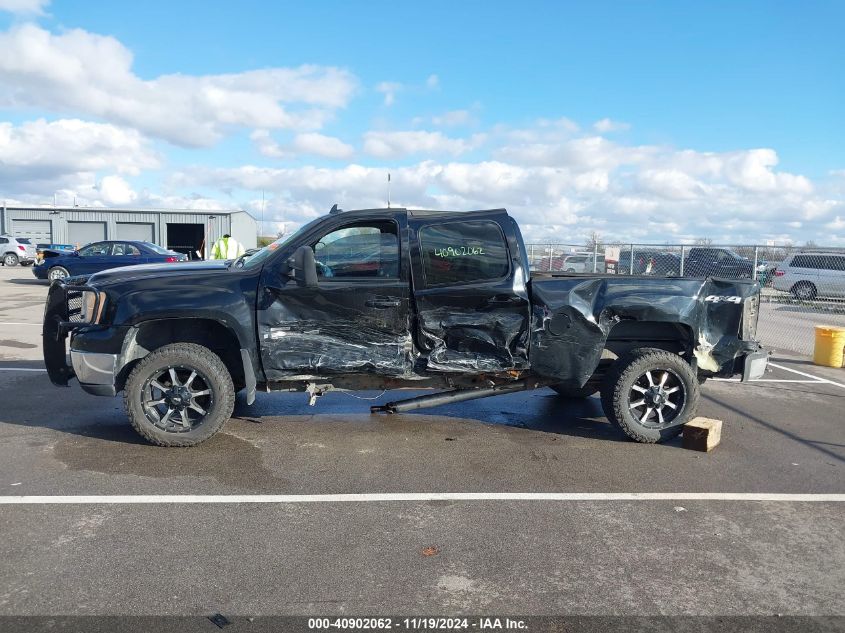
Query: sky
[[654, 122]]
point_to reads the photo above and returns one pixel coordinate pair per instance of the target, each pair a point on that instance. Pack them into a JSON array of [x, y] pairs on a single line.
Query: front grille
[[74, 305]]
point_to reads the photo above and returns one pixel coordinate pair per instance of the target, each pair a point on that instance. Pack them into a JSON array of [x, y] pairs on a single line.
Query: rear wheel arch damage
[[150, 336]]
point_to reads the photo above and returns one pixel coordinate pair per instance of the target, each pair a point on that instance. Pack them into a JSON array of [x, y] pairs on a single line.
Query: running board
[[448, 397]]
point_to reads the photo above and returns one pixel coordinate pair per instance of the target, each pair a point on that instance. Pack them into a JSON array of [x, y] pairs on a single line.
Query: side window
[[93, 250], [364, 249], [803, 261], [124, 249], [832, 262], [461, 252], [3, 240]]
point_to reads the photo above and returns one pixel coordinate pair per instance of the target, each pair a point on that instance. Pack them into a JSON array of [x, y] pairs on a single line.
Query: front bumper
[[62, 313], [96, 372]]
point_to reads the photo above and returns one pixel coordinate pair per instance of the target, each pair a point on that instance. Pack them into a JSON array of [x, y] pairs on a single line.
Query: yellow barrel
[[830, 346]]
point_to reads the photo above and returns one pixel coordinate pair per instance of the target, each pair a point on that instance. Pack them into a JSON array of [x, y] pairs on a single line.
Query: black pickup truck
[[389, 298]]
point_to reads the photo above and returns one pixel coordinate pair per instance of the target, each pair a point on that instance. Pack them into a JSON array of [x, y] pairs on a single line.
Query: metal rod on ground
[[632, 259], [448, 397]]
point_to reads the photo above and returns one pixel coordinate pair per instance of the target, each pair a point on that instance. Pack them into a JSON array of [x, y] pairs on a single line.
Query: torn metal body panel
[[574, 319]]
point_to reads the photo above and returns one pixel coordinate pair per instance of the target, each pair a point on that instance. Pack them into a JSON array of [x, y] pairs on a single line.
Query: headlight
[[92, 306]]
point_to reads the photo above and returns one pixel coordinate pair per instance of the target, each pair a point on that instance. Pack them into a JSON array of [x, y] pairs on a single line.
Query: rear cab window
[[463, 252]]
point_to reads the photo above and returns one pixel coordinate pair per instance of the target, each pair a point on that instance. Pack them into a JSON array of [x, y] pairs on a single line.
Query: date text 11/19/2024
[[418, 624]]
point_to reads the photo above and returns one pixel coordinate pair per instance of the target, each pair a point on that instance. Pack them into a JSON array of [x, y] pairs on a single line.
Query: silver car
[[16, 250], [583, 263], [811, 275]]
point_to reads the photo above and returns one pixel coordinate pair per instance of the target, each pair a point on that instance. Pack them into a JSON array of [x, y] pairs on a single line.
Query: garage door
[[82, 233], [136, 231], [38, 231]]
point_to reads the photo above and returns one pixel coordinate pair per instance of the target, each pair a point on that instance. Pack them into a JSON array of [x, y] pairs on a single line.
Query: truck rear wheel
[[650, 394], [179, 395], [571, 393]]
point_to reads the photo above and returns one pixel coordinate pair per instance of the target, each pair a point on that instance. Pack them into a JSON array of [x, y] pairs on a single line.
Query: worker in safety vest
[[227, 247]]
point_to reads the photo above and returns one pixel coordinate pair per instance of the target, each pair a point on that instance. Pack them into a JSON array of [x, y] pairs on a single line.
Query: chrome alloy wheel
[[177, 399], [657, 398]]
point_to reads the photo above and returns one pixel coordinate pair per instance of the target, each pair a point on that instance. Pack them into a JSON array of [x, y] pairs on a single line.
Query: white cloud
[[115, 191], [432, 82], [405, 143], [321, 145], [628, 192], [28, 7], [41, 151], [310, 143], [83, 72], [608, 125], [389, 90]]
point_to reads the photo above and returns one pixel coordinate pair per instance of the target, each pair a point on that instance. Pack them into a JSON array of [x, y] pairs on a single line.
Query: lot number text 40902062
[[417, 624]]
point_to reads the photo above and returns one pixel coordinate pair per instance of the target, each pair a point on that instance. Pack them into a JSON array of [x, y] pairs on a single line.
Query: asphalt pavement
[[720, 555]]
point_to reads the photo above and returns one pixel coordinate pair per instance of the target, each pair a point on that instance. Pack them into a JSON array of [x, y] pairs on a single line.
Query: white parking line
[[20, 323], [20, 369], [420, 496], [765, 380], [801, 373]]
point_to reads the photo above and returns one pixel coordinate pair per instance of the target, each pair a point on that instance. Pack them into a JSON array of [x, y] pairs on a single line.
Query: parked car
[[811, 275], [581, 263], [16, 250], [649, 263], [440, 300], [99, 256], [717, 262]]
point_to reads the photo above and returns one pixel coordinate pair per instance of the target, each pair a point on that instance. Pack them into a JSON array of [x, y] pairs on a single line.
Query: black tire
[[571, 393], [10, 259], [214, 388], [57, 272], [804, 290], [631, 374]]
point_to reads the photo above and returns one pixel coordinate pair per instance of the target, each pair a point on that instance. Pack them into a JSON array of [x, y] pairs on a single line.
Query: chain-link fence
[[802, 287]]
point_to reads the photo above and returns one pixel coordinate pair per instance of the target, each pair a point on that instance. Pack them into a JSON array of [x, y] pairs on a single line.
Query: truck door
[[355, 320], [472, 306]]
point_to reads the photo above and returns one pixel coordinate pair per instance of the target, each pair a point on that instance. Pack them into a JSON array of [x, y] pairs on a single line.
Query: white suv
[[811, 275], [16, 250]]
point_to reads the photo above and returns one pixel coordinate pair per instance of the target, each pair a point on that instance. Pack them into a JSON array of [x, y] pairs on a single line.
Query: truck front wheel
[[179, 395], [650, 394]]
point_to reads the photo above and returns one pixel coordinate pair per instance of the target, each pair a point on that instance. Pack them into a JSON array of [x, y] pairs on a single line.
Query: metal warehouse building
[[183, 230]]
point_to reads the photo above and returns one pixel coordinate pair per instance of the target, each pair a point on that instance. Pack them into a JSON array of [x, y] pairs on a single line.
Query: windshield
[[260, 257], [155, 247]]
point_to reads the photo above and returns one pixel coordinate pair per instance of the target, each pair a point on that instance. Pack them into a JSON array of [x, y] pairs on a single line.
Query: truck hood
[[152, 271]]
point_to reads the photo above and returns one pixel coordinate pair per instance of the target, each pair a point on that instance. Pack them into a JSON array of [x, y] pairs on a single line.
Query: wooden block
[[702, 434]]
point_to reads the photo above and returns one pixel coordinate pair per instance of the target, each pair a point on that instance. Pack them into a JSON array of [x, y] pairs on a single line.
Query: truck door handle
[[382, 302]]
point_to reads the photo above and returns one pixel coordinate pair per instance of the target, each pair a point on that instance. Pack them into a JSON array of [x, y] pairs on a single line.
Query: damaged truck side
[[390, 298]]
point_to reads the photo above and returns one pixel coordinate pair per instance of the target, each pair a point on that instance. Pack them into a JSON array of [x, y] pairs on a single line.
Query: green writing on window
[[458, 251]]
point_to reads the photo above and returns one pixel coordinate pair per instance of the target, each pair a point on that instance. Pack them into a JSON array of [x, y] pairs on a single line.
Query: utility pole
[[388, 190]]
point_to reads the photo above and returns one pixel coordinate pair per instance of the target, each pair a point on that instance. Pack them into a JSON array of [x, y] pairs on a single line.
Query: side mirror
[[303, 267]]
